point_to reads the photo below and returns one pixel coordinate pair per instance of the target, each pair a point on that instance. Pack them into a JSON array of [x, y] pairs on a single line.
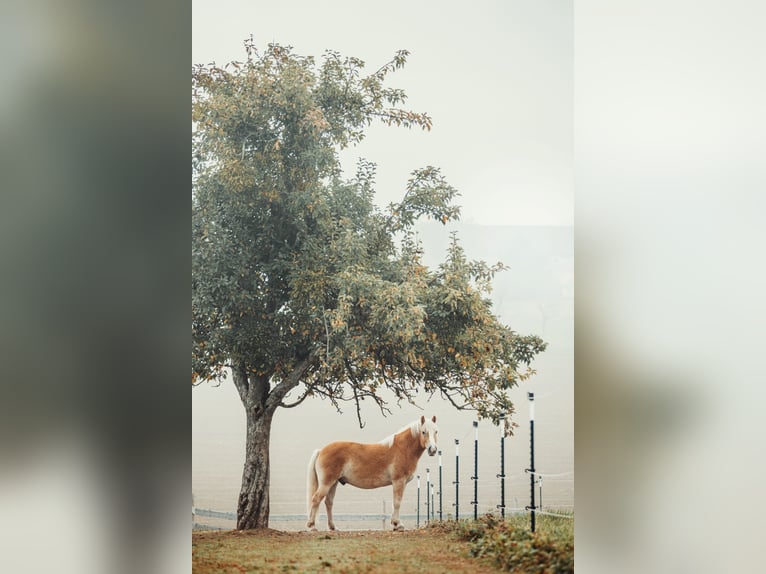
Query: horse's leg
[[328, 504], [316, 500], [398, 493]]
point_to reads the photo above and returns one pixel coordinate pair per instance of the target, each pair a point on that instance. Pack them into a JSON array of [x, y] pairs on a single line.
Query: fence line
[[545, 512], [548, 474], [206, 512], [214, 513], [430, 502]]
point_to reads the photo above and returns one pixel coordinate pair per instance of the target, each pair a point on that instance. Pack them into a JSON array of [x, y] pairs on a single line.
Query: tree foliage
[[298, 280]]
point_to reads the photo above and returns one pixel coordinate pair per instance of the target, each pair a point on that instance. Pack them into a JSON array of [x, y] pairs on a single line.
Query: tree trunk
[[253, 506], [260, 405]]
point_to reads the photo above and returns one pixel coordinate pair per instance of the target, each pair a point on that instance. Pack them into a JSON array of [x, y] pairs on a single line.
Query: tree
[[299, 282]]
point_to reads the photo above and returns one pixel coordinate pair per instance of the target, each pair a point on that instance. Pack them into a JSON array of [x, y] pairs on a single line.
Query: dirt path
[[423, 551]]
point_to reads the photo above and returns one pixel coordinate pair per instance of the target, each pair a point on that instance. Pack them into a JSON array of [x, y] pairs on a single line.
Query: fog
[[534, 296]]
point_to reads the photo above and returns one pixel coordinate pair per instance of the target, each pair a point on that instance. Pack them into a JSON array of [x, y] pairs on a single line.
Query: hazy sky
[[496, 77]]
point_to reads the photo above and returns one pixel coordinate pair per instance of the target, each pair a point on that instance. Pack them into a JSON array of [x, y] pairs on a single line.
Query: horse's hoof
[[312, 529], [398, 528]]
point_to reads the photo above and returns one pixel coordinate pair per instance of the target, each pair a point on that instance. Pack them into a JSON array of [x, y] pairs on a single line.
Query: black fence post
[[440, 486], [418, 523], [501, 476], [531, 397], [457, 480], [475, 476], [428, 496]]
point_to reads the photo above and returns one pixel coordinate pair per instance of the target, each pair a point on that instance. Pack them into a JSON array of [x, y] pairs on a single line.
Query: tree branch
[[296, 403], [291, 381], [463, 407], [358, 409]]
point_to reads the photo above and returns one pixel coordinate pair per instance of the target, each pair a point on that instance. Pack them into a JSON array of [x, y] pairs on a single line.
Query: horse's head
[[428, 432]]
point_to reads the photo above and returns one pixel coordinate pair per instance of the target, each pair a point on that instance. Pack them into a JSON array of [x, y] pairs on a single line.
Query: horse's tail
[[312, 482]]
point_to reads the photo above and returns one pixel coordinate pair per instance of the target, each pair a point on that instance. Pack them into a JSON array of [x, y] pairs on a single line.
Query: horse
[[392, 461]]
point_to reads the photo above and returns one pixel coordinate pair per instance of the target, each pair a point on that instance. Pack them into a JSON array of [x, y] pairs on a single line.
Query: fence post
[[457, 480], [501, 476], [440, 486], [428, 496], [540, 485], [384, 514], [475, 476], [418, 501], [531, 397]]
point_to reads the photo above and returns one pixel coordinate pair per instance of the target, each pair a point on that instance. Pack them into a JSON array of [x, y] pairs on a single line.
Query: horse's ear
[[434, 418], [423, 420]]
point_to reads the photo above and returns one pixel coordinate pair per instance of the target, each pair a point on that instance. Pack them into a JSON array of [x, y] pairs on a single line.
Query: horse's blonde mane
[[413, 426]]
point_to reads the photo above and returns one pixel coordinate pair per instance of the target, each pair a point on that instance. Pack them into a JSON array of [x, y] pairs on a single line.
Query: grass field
[[471, 547]]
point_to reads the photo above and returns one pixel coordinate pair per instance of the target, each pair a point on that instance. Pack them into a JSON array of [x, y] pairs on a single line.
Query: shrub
[[516, 549]]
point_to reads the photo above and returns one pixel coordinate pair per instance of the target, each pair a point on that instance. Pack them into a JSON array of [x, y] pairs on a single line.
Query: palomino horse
[[391, 461]]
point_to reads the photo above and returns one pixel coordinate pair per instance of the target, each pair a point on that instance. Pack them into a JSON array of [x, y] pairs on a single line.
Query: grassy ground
[[427, 550]]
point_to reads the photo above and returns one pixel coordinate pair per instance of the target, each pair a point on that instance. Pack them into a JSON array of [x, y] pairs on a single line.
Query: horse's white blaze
[[431, 444], [392, 461]]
